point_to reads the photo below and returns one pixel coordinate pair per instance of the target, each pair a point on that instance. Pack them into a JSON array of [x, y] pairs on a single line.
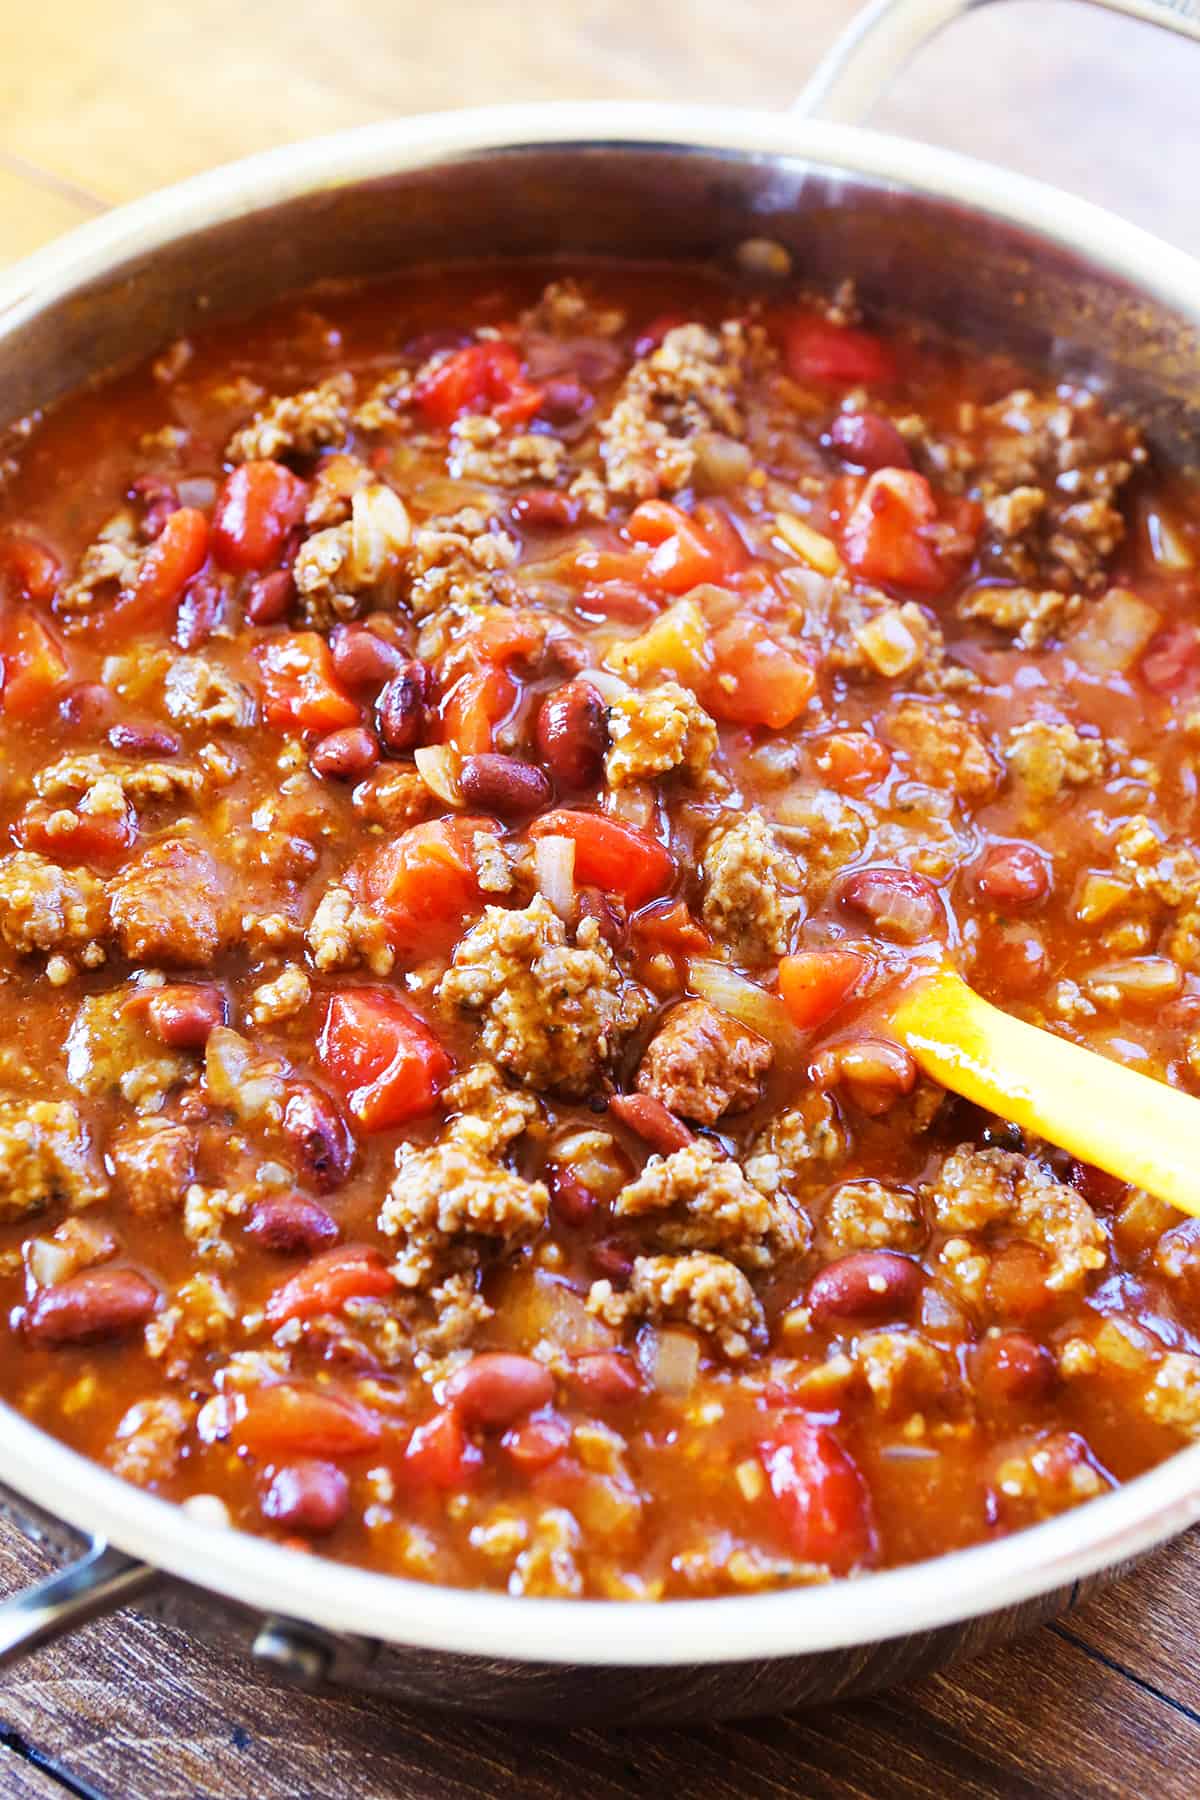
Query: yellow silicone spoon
[[1134, 1127]]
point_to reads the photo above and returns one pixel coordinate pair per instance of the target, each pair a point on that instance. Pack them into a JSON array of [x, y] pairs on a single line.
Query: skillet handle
[[880, 40], [101, 1581]]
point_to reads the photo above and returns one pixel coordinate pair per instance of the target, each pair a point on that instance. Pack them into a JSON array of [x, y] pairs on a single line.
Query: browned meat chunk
[[296, 424], [43, 907], [696, 1199], [154, 1162], [706, 1292], [170, 905], [45, 1156], [702, 1063]]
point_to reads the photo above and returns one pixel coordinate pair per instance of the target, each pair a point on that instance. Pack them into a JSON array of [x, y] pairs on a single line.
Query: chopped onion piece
[[49, 1263], [610, 687], [732, 993], [438, 766], [554, 864], [669, 1358], [722, 463], [636, 804], [1111, 635], [1144, 978], [1167, 546], [812, 547]]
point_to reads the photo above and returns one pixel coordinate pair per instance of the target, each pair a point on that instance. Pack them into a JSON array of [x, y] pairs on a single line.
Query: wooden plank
[[34, 208]]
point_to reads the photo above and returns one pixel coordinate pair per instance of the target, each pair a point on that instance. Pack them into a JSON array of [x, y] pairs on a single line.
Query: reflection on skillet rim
[[960, 1585]]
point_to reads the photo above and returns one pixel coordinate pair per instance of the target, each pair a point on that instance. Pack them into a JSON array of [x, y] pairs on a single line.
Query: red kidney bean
[[868, 1284], [144, 740], [183, 1016], [874, 1071], [498, 1387], [290, 1224], [88, 706], [542, 509], [1013, 1369], [199, 612], [322, 1140], [400, 708], [653, 1122], [98, 1303], [1170, 658], [571, 1200], [870, 441], [270, 597], [1013, 875], [564, 399], [346, 755], [612, 1259], [606, 1377], [159, 499], [537, 1442], [596, 905], [571, 734], [307, 1496], [896, 902], [503, 784], [1015, 959], [1098, 1187], [361, 658]]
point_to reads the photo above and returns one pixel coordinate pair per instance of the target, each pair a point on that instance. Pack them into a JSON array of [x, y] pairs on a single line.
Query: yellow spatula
[[1135, 1128]]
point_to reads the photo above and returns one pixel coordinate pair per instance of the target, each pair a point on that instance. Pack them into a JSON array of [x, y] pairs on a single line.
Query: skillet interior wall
[[913, 254]]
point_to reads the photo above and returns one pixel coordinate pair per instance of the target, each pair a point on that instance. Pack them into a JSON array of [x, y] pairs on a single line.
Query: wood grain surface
[[101, 100]]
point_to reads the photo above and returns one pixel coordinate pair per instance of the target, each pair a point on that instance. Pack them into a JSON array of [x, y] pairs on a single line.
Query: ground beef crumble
[[700, 1290], [45, 1155], [701, 1063], [697, 1199], [751, 887]]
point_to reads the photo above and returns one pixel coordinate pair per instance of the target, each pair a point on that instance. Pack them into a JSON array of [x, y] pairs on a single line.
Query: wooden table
[[99, 102]]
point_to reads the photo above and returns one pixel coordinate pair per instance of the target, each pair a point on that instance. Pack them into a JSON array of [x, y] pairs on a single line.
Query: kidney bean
[[537, 1442], [653, 1122], [400, 708], [1013, 1369], [612, 1259], [1015, 959], [309, 1496], [874, 1071], [99, 1303], [290, 1224], [1098, 1187], [88, 706], [868, 1284], [498, 1387], [199, 612], [571, 734], [870, 441], [346, 755], [896, 902], [361, 658], [571, 1200], [183, 1015], [564, 399], [322, 1140], [542, 509], [270, 597], [144, 740], [1013, 875], [1170, 658], [159, 499], [592, 904], [503, 784], [606, 1377]]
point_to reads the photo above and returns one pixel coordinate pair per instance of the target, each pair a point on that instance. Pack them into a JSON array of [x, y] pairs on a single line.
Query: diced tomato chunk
[[300, 691], [385, 1060], [821, 1496], [33, 666], [283, 1420], [852, 761], [29, 566], [423, 884], [348, 1272], [611, 855], [258, 505], [754, 680], [672, 927], [881, 532], [815, 983], [686, 550], [78, 837], [815, 349], [482, 377], [177, 553], [476, 703], [440, 1452]]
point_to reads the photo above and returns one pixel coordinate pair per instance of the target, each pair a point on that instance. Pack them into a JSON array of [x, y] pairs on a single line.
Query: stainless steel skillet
[[993, 257]]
